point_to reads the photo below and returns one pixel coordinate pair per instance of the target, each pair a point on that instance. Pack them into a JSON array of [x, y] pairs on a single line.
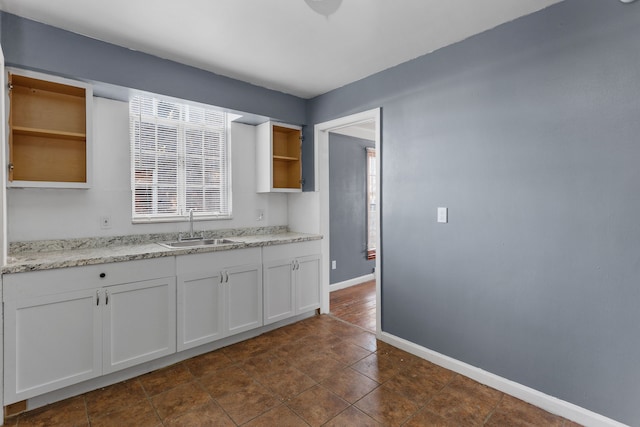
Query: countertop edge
[[110, 254]]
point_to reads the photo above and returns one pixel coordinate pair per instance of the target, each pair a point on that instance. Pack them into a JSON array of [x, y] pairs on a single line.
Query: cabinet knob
[[103, 275]]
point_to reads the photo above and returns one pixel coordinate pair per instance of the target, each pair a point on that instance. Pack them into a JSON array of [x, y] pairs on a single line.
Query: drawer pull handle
[[106, 298], [103, 275], [97, 298]]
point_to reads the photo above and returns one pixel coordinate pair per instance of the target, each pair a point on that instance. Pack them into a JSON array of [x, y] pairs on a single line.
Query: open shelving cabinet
[[49, 131], [278, 162]]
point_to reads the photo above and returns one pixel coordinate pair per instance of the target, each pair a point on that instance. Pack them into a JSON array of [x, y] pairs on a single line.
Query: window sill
[[154, 220]]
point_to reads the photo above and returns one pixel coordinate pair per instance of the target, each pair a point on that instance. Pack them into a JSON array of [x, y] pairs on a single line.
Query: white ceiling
[[280, 44]]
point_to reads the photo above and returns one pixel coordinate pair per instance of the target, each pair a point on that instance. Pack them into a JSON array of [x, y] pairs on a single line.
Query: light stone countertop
[[23, 261]]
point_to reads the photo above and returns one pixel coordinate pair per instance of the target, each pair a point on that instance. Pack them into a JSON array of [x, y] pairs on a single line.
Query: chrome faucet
[[191, 223], [191, 233]]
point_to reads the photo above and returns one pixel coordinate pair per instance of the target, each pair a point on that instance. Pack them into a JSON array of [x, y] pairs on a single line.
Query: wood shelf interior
[[47, 131], [286, 157]]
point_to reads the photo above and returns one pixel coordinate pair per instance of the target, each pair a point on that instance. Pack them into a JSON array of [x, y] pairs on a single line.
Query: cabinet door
[[244, 298], [279, 294], [139, 323], [308, 283], [200, 309], [51, 342]]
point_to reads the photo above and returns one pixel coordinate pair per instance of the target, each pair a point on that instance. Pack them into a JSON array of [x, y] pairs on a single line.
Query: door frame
[[321, 155]]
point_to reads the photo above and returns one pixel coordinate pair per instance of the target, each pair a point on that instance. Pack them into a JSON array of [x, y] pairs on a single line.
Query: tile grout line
[[493, 410]]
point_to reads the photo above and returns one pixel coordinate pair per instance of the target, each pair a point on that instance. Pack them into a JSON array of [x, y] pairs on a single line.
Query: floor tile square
[[366, 340], [208, 415], [246, 349], [516, 413], [288, 383], [428, 418], [378, 368], [317, 405], [350, 385], [141, 414], [280, 416], [318, 366], [164, 379], [248, 403], [387, 406], [419, 388], [226, 381], [180, 400], [264, 365], [108, 399], [347, 353], [465, 401], [208, 363], [352, 417]]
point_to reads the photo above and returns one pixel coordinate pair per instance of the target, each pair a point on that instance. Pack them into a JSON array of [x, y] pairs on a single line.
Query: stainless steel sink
[[197, 243]]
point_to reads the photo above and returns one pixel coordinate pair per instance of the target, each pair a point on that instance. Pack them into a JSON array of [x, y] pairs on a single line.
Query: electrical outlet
[[333, 264], [105, 222], [259, 214]]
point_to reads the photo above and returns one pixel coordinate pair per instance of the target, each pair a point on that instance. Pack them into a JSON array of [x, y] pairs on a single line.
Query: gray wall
[[529, 134], [348, 207], [32, 45]]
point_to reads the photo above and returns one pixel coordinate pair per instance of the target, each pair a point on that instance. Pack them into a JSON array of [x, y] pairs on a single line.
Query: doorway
[[322, 171]]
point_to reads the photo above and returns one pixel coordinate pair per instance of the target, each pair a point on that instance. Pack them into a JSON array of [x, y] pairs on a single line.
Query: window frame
[[182, 127], [371, 178]]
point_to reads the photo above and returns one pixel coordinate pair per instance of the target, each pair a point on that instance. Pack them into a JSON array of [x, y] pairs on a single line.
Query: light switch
[[443, 215]]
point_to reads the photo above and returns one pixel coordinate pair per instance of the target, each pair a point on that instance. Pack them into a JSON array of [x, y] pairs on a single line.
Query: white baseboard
[[351, 282], [548, 403]]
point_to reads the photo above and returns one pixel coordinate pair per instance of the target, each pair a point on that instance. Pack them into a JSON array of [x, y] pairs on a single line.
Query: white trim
[[351, 282], [321, 156], [544, 401], [358, 132]]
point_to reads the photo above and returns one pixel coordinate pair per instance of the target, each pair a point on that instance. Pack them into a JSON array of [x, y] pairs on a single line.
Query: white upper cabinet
[[278, 158], [49, 131]]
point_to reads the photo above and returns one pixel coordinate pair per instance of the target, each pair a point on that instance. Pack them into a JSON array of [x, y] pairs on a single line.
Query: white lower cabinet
[[51, 342], [68, 325], [62, 328], [291, 280], [219, 294], [139, 323]]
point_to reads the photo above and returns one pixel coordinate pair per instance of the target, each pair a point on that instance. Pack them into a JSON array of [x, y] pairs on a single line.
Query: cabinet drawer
[[195, 264], [290, 250], [48, 282]]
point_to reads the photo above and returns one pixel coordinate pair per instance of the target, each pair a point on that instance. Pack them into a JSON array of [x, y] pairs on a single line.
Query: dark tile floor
[[320, 371]]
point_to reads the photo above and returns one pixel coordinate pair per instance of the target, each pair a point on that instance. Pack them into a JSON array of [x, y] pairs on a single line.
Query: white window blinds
[[179, 160]]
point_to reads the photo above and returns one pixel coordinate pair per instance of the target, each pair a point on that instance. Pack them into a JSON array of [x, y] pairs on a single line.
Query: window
[[372, 229], [179, 160]]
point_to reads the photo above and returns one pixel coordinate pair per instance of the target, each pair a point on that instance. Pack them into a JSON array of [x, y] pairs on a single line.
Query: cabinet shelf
[[48, 133], [285, 158]]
